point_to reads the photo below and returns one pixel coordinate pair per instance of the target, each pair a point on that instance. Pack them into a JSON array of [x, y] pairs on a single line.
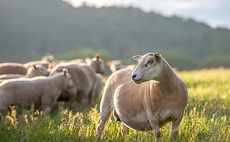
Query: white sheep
[[38, 90], [36, 70], [96, 63], [99, 84], [12, 68], [32, 71], [84, 78]]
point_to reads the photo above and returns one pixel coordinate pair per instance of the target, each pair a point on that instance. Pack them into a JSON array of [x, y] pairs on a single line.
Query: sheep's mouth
[[137, 81]]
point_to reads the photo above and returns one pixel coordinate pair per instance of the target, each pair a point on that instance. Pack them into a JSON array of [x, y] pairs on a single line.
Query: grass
[[206, 118]]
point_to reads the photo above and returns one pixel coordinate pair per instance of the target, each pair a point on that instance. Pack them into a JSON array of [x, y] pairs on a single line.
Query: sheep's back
[[12, 68], [18, 91]]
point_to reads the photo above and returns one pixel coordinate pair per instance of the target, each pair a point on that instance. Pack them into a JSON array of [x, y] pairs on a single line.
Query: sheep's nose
[[133, 76]]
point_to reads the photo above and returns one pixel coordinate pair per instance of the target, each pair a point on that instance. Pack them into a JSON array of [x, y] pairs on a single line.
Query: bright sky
[[213, 12]]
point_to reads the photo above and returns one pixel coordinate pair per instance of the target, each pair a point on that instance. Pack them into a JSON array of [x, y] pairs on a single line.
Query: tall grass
[[206, 117]]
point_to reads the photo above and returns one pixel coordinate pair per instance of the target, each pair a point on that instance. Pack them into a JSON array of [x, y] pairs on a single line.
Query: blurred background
[[189, 34]]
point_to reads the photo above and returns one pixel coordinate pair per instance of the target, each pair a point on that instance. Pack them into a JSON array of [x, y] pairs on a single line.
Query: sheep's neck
[[166, 82]]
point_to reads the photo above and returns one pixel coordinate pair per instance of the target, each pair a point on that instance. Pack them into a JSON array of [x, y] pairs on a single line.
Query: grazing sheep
[[84, 79], [45, 64], [116, 65], [32, 71], [38, 90], [36, 70], [12, 68], [97, 64], [146, 98], [98, 85]]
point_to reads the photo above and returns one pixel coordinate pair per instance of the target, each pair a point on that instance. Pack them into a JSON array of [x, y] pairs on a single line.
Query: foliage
[[206, 118]]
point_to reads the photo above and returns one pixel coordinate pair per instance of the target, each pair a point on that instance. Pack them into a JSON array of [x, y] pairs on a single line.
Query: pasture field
[[207, 117]]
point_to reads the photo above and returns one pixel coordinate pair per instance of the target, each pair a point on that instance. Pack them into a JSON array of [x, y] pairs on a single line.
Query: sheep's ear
[[136, 57], [97, 57], [157, 57], [65, 71], [33, 67], [50, 67]]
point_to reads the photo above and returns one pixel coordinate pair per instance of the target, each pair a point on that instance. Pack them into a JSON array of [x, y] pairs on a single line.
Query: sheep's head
[[37, 71], [97, 64], [148, 68], [68, 81]]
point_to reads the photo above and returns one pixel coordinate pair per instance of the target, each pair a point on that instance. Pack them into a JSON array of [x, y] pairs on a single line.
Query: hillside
[[30, 28]]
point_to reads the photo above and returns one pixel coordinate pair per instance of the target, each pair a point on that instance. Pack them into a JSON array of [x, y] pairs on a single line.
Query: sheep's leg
[[125, 130], [156, 129], [46, 103], [54, 105], [105, 113], [105, 110], [106, 106], [153, 120], [46, 110], [92, 93], [175, 127], [71, 101], [73, 95]]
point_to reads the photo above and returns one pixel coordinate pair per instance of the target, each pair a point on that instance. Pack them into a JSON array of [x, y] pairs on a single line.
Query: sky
[[215, 13]]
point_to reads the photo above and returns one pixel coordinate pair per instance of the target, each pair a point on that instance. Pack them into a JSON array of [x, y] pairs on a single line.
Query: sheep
[[96, 63], [32, 71], [37, 90], [45, 64], [116, 65], [145, 98], [99, 84], [12, 68], [36, 70], [84, 79], [10, 76]]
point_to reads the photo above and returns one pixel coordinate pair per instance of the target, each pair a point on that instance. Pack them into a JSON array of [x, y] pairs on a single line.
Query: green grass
[[206, 118]]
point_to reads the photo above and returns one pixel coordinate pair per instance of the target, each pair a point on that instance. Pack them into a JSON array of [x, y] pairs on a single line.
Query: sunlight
[[97, 3]]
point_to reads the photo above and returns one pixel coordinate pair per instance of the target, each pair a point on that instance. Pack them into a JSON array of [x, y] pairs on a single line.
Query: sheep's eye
[[149, 62]]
